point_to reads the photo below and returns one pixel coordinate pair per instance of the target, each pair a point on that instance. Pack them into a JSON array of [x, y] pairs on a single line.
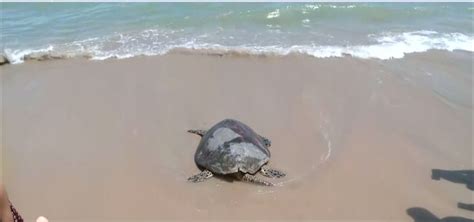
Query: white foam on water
[[317, 6], [326, 128], [274, 14], [18, 55], [312, 7], [153, 42]]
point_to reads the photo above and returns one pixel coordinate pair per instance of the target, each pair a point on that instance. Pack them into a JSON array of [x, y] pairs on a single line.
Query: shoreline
[[348, 132], [50, 56]]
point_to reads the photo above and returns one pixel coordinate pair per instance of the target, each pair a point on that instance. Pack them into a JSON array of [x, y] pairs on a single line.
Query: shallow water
[[366, 30]]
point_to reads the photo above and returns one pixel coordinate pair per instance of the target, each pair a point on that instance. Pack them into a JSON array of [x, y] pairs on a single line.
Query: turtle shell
[[230, 147]]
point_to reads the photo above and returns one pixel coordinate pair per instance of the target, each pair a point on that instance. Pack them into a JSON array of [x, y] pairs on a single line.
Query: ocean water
[[122, 30]]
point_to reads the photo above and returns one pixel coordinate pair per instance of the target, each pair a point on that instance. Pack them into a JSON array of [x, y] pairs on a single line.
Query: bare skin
[[5, 212]]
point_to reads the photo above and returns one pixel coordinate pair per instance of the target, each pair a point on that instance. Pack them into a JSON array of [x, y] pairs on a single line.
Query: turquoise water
[[121, 30]]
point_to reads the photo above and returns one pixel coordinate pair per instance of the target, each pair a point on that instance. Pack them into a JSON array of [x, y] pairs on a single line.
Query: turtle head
[[266, 142]]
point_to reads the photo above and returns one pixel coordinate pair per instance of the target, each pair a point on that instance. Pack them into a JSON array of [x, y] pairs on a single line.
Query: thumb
[[4, 202], [42, 219]]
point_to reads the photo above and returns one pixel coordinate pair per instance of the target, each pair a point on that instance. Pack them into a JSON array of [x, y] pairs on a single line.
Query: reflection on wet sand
[[348, 132]]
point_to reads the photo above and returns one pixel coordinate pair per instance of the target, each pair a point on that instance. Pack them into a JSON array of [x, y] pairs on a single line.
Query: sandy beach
[[106, 140]]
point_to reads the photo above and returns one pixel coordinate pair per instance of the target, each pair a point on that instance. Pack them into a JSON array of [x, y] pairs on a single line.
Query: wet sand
[[106, 140]]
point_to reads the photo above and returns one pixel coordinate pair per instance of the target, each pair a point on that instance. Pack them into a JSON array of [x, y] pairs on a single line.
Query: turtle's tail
[[198, 132]]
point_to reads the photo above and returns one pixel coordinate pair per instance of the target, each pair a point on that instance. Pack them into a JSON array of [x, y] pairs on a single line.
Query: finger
[[42, 219]]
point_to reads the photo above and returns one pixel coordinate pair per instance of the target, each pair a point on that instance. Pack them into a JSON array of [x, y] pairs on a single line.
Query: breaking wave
[[153, 42]]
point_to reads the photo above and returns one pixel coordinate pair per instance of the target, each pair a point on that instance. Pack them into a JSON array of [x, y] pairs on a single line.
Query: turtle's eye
[[267, 142]]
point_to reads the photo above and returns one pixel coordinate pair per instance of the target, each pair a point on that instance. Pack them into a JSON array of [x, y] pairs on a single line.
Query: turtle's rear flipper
[[198, 132], [203, 175], [271, 173], [255, 180]]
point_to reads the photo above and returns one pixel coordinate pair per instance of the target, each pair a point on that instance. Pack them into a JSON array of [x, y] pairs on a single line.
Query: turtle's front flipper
[[272, 173], [203, 175], [198, 132], [266, 141], [253, 179]]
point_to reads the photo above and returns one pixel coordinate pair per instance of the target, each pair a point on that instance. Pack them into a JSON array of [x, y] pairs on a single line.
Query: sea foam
[[384, 46]]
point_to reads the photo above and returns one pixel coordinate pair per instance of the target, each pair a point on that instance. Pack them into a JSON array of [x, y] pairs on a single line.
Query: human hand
[[5, 212]]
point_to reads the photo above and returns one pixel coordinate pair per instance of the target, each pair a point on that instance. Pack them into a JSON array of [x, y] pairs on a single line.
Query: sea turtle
[[232, 148]]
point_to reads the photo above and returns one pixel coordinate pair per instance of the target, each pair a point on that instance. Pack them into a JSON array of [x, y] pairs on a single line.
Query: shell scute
[[231, 146]]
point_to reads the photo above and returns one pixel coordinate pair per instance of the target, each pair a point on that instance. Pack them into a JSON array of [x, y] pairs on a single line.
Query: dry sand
[[107, 141]]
